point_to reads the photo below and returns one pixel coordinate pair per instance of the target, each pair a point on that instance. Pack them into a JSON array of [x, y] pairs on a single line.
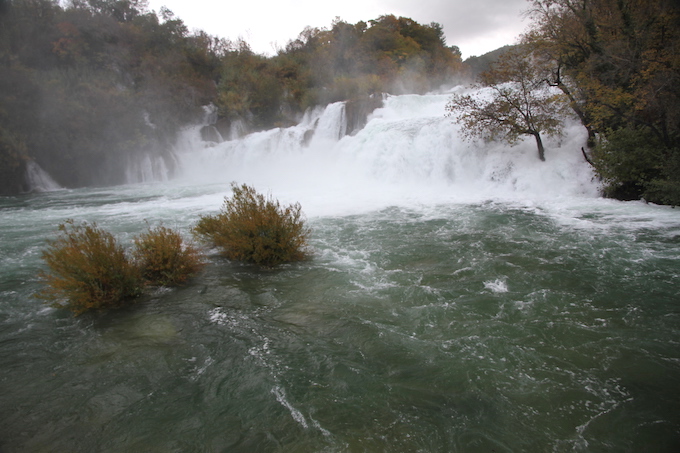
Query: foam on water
[[461, 297], [496, 286], [408, 153]]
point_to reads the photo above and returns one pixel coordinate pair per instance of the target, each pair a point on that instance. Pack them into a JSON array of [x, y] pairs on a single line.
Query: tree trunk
[[539, 144], [580, 113], [557, 82], [585, 155]]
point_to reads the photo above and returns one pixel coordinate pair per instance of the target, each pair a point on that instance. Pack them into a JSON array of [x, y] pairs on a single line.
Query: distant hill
[[477, 65]]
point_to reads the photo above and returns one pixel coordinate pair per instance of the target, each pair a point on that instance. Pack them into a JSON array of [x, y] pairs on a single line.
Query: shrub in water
[[256, 229], [163, 257], [87, 269]]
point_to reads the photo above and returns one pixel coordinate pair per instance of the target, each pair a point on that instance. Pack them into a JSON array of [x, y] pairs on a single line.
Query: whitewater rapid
[[408, 153], [462, 296]]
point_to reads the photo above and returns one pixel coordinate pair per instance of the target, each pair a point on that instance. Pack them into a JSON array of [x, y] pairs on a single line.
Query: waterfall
[[155, 166], [408, 148], [38, 180], [237, 129], [146, 168], [331, 125]]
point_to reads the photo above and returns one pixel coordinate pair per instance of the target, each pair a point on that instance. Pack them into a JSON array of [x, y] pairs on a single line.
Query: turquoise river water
[[431, 317]]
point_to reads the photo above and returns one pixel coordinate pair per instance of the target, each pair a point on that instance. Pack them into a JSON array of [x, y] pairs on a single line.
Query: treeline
[[88, 87], [345, 62], [85, 88], [617, 65]]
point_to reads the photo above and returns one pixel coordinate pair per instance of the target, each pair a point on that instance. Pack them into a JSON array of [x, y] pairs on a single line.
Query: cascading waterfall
[[408, 149], [331, 125], [38, 180], [461, 297], [147, 168]]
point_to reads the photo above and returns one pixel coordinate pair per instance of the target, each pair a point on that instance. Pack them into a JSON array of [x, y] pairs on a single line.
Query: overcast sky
[[475, 26]]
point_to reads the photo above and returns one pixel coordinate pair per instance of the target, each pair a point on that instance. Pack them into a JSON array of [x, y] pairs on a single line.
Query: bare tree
[[521, 104]]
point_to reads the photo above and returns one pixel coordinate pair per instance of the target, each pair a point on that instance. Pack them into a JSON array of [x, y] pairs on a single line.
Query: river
[[461, 297]]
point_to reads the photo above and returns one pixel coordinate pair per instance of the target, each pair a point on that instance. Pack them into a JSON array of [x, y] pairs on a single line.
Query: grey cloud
[[465, 20]]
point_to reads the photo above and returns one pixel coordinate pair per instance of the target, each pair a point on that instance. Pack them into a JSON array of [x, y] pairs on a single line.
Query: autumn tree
[[389, 54], [87, 269], [164, 258], [89, 85], [249, 88], [519, 104], [619, 64]]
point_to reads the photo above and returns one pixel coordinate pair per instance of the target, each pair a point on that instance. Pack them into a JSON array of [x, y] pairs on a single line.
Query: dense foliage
[[256, 229], [90, 87], [345, 62], [617, 63], [88, 269]]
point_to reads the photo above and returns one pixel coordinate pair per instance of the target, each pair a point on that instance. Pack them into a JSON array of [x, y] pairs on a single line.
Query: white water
[[537, 317], [147, 168], [409, 152], [39, 180]]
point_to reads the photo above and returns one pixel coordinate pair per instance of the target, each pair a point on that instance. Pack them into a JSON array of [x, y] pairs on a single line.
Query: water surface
[[493, 325]]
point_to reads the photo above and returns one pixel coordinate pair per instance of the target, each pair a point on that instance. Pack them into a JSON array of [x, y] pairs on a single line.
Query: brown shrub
[[256, 229], [164, 259], [87, 269]]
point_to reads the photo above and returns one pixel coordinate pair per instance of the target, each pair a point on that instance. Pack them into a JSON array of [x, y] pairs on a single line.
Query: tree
[[521, 104], [249, 88], [619, 64]]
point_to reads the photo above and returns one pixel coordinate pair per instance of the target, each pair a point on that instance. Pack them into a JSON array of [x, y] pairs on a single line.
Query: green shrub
[[87, 269], [628, 160], [164, 259], [256, 229], [666, 188]]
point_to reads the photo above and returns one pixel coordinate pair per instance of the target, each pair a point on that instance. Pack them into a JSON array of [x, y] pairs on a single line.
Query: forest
[[88, 86], [616, 64]]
